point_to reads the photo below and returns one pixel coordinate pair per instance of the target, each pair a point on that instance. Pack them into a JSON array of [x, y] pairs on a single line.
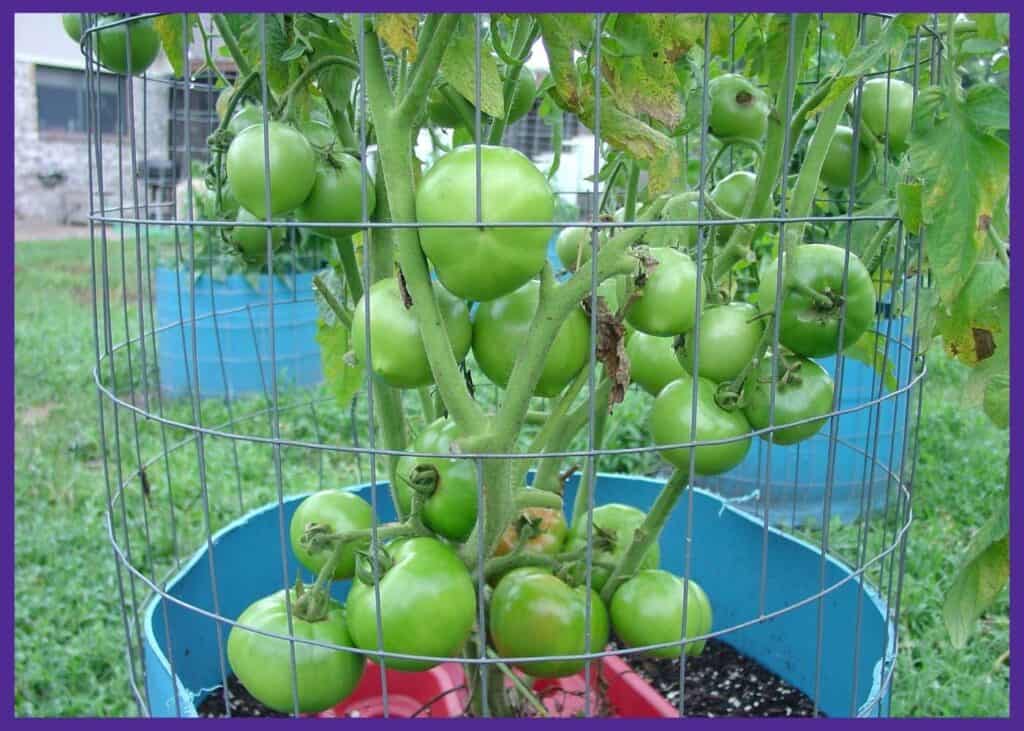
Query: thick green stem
[[772, 163], [582, 501], [501, 565], [343, 127], [231, 43], [428, 60], [810, 171], [532, 498], [396, 162], [517, 683], [312, 70], [647, 533], [547, 471], [552, 310], [347, 256], [343, 315], [427, 404], [553, 423]]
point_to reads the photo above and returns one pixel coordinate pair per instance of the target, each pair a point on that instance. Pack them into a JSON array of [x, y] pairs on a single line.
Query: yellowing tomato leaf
[[343, 378], [964, 171], [980, 579], [459, 68], [399, 31], [175, 32], [908, 196]]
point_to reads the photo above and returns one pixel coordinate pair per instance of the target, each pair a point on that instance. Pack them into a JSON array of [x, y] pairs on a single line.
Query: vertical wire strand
[[699, 295], [371, 421], [196, 392], [834, 420], [591, 466], [94, 140]]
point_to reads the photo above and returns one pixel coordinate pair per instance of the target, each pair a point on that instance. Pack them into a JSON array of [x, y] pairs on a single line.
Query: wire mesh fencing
[[216, 426]]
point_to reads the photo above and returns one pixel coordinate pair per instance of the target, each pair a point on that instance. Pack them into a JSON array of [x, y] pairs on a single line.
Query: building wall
[[40, 41]]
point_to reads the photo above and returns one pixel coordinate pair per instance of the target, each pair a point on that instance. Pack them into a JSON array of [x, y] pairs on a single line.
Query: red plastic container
[[443, 687], [408, 693]]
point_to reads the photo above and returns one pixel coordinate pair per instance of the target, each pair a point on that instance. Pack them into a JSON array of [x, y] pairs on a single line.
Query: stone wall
[[52, 168]]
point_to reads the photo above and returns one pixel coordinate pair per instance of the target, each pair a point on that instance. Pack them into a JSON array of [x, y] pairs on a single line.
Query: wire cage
[[798, 550]]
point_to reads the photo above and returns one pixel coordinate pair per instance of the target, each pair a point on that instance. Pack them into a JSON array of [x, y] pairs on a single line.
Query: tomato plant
[[616, 524], [727, 340], [652, 361], [837, 170], [396, 346], [671, 424], [816, 300], [484, 263], [427, 603], [668, 301], [535, 614], [263, 664], [449, 486], [337, 511], [500, 327], [648, 610], [738, 108], [127, 48], [292, 167]]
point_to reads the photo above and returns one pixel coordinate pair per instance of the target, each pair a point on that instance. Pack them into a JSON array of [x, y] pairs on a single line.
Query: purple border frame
[[587, 6]]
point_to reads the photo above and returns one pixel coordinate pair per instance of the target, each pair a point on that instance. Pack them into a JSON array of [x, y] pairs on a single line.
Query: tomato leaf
[[870, 349], [172, 30], [343, 378], [459, 68], [844, 27], [277, 45], [908, 196], [980, 579], [976, 327], [647, 74], [997, 400], [399, 31], [964, 171]]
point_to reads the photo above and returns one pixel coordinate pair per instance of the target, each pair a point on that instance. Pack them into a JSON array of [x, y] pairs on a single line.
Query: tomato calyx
[[424, 479], [364, 565]]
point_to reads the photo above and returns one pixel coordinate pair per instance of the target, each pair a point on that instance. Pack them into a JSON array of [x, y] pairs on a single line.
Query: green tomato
[[320, 134], [522, 96], [245, 116], [731, 194], [427, 604], [837, 167], [681, 207], [399, 357], [451, 510], [264, 664], [652, 362], [647, 609], [617, 523], [671, 420], [573, 245], [337, 196], [112, 45], [500, 329], [536, 614], [667, 304], [338, 510], [727, 341], [251, 241], [738, 108], [888, 105], [484, 263], [809, 327], [72, 23], [292, 168], [806, 393]]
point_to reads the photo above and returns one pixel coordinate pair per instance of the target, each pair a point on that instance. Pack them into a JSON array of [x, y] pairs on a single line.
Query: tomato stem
[[228, 36], [347, 257], [647, 533], [343, 315]]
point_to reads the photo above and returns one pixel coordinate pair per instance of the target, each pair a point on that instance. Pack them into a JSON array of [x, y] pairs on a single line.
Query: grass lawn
[[69, 638]]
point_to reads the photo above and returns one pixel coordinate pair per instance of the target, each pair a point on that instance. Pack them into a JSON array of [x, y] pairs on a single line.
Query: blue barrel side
[[232, 345], [726, 561]]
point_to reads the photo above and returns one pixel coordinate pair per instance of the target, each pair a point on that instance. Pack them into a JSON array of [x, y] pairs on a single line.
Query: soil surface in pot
[[720, 682]]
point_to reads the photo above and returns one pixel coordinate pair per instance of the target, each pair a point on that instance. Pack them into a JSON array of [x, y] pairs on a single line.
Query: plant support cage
[[202, 482]]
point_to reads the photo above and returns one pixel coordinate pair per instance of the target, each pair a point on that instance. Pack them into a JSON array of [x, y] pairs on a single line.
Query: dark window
[[63, 101], [200, 121]]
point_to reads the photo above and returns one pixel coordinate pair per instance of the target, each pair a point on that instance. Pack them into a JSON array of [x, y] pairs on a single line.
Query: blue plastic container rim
[[875, 697]]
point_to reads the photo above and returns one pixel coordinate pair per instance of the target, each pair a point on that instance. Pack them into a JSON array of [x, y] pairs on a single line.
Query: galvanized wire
[[126, 338]]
